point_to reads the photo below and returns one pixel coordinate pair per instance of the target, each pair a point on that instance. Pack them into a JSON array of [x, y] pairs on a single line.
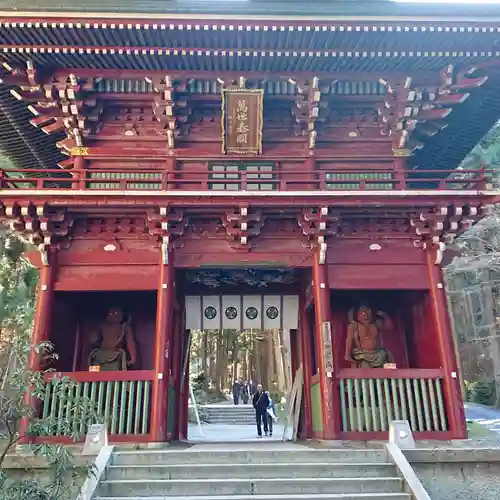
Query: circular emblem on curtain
[[251, 313], [231, 312], [210, 312], [272, 312]]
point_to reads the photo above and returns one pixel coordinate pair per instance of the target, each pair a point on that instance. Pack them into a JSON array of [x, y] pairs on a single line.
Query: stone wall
[[21, 467], [458, 474]]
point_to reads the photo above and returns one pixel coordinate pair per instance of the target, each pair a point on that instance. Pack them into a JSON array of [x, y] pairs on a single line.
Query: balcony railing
[[372, 398], [120, 399], [272, 179]]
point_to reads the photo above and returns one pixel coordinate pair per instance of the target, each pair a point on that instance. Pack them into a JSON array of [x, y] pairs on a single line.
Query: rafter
[[170, 107], [409, 108], [66, 104]]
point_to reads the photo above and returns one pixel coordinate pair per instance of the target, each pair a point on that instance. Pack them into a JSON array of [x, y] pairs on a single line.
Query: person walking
[[260, 403], [270, 414], [236, 392], [245, 392]]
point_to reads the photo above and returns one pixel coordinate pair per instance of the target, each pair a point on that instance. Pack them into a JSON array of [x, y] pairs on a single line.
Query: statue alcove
[[78, 325]]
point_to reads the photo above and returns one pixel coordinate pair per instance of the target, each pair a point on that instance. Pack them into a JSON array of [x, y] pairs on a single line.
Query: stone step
[[271, 455], [250, 471], [231, 420], [280, 486], [341, 496]]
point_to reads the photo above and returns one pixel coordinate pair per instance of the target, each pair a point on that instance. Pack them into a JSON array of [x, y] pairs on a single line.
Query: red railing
[[122, 399], [277, 179]]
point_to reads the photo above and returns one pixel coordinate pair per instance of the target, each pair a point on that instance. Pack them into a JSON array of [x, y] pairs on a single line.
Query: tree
[[473, 283], [18, 282]]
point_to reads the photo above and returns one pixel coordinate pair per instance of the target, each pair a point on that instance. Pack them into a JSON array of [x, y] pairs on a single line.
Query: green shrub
[[482, 392]]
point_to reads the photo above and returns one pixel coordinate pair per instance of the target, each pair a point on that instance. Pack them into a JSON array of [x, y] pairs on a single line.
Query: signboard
[[328, 348], [242, 121]]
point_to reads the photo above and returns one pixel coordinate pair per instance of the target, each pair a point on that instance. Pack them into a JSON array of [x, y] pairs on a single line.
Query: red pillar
[[79, 167], [41, 328], [304, 330], [441, 319], [178, 345], [163, 347], [329, 389], [185, 403]]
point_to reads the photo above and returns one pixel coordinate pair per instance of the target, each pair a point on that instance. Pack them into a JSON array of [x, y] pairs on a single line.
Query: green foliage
[[481, 391], [21, 388]]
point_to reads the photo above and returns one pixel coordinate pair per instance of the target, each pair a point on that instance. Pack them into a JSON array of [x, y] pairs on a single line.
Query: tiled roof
[[298, 8]]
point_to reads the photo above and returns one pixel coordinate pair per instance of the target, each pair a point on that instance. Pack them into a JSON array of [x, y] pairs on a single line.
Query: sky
[[471, 2]]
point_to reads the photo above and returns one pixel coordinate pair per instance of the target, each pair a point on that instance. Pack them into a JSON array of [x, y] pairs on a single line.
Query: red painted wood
[[377, 277], [183, 424], [105, 376], [384, 436], [177, 365], [396, 249], [112, 438], [329, 387], [304, 329], [197, 178], [441, 325], [423, 344], [163, 352], [107, 278], [376, 373], [41, 332]]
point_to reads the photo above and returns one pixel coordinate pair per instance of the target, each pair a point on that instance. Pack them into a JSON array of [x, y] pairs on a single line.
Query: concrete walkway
[[231, 433], [484, 415]]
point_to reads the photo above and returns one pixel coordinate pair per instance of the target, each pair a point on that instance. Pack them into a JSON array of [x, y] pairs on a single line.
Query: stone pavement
[[232, 433], [484, 415]]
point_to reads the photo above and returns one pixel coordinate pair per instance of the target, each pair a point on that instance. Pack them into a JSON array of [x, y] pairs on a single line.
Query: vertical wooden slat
[[402, 397], [61, 396], [365, 401], [138, 403], [115, 409], [68, 417], [123, 401], [387, 395], [357, 398], [145, 408], [75, 427], [373, 403], [381, 403], [425, 401], [53, 406], [434, 408], [100, 399], [411, 406], [345, 427], [442, 415], [107, 403], [350, 392], [395, 399], [83, 416], [46, 400], [418, 404], [130, 409]]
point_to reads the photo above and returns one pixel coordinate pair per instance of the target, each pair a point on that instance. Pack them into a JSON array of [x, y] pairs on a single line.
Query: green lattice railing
[[369, 404], [123, 404], [111, 180], [353, 180]]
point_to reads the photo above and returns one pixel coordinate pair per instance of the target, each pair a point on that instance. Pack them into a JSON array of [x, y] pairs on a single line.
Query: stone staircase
[[230, 414], [270, 472]]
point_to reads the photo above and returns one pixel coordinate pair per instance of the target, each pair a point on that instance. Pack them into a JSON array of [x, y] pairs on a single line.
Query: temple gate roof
[[349, 45]]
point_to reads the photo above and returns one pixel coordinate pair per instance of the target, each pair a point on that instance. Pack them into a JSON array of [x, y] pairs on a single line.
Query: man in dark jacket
[[260, 403]]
